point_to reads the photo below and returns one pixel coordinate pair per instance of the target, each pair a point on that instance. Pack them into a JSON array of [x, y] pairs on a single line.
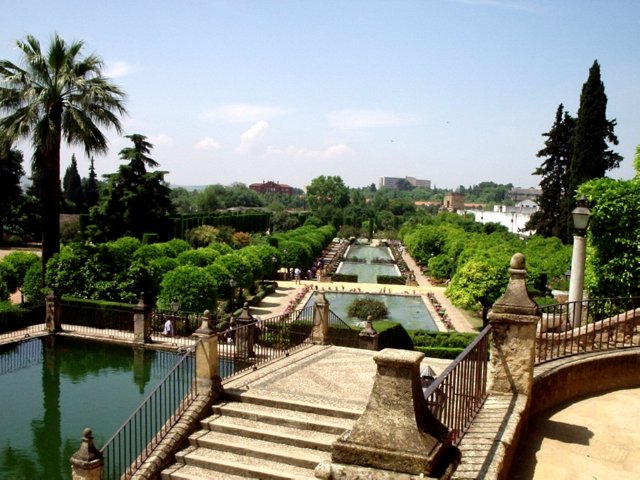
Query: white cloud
[[208, 144], [333, 151], [118, 68], [249, 137], [161, 140], [242, 112], [364, 119]]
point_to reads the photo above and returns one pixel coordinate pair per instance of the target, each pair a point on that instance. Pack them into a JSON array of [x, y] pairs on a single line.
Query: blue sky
[[455, 91]]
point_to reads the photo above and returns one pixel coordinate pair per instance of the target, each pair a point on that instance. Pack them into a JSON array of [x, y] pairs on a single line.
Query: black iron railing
[[456, 396], [593, 325], [135, 440], [183, 323], [341, 333], [21, 323], [245, 347]]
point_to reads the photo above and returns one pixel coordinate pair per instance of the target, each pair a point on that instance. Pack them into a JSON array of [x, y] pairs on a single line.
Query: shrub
[[440, 352], [365, 307], [32, 289], [195, 287], [392, 335]]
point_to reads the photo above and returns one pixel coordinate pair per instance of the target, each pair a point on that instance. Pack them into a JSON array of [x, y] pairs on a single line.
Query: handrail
[[246, 347], [127, 449], [457, 394], [593, 325]]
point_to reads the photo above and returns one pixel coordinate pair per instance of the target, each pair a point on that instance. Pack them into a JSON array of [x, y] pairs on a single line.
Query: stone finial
[[87, 451], [368, 328], [516, 298], [245, 315], [321, 299], [205, 327]]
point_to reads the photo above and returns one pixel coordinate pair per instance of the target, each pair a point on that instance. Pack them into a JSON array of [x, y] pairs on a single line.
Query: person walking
[[296, 274]]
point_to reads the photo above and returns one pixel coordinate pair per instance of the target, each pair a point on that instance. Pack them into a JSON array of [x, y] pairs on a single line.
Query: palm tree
[[56, 95]]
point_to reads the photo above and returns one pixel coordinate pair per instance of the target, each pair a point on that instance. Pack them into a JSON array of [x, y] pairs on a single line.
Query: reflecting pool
[[52, 388], [408, 310], [368, 272]]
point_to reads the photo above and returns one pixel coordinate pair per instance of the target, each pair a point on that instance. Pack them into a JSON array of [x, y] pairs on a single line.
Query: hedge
[[16, 319], [429, 338], [392, 335], [343, 277], [440, 352], [390, 280]]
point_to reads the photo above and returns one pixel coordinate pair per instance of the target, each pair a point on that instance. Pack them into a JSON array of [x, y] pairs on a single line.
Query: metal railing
[[456, 396], [341, 333], [135, 440], [593, 325], [246, 347], [184, 323], [22, 323], [108, 322]]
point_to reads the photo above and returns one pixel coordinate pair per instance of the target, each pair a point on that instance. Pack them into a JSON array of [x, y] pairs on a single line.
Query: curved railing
[[593, 325]]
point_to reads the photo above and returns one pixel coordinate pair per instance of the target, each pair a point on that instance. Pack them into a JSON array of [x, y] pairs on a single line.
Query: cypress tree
[[592, 157], [90, 187], [72, 188], [551, 219]]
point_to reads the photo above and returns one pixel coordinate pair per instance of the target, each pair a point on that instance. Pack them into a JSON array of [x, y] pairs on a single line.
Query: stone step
[[285, 417], [241, 465], [180, 471], [246, 396], [273, 433], [289, 454]]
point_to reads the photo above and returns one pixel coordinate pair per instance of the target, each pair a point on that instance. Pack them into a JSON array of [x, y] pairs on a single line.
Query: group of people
[[315, 271]]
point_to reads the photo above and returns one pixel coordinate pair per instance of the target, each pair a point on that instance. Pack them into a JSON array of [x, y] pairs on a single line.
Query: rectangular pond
[[408, 310], [51, 388], [364, 263]]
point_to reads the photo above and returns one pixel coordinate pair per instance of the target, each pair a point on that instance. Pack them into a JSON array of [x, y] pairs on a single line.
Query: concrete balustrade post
[[397, 435], [513, 318], [320, 329], [87, 462], [368, 337], [208, 379], [53, 313], [141, 322]]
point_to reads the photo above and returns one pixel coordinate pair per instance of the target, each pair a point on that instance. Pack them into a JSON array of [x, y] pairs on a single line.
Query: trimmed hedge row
[[392, 335], [16, 319], [344, 277], [428, 338], [390, 280], [440, 352]]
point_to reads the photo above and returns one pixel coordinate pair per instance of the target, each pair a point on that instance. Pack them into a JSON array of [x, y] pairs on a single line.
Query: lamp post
[[175, 306], [580, 216], [274, 262], [232, 284]]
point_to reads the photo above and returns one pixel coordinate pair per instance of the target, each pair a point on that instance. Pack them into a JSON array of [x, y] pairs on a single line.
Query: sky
[[453, 91]]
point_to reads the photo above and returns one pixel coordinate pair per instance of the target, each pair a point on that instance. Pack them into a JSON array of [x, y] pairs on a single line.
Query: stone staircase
[[255, 436]]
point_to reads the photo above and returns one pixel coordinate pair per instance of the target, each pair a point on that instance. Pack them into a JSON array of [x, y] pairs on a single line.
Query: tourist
[[296, 274], [168, 328]]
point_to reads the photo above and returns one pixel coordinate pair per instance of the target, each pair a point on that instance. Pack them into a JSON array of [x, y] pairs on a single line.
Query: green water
[[408, 310], [368, 272], [52, 388]]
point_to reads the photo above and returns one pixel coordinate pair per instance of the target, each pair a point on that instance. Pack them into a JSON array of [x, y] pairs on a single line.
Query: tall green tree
[[72, 188], [136, 201], [11, 172], [551, 219], [592, 157], [90, 186], [56, 95], [327, 196]]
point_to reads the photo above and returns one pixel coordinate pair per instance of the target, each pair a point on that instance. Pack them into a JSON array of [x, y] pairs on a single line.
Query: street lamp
[[175, 306], [232, 284], [580, 216]]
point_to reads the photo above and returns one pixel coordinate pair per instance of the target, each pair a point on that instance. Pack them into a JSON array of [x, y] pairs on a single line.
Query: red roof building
[[272, 187]]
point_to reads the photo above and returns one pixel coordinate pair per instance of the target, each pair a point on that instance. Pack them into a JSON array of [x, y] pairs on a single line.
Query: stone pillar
[[141, 322], [368, 337], [396, 432], [245, 336], [576, 282], [207, 375], [513, 318], [53, 313], [320, 329], [87, 462]]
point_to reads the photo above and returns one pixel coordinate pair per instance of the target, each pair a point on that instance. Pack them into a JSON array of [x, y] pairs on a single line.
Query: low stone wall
[[573, 377]]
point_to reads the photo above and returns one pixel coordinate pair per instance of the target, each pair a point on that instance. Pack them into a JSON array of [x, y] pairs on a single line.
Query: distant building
[[453, 201], [392, 182], [272, 187], [513, 217], [518, 194]]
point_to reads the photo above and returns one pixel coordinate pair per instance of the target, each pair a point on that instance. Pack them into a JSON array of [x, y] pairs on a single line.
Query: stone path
[[595, 438]]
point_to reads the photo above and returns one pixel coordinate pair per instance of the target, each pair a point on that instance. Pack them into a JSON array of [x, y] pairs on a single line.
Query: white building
[[514, 218]]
